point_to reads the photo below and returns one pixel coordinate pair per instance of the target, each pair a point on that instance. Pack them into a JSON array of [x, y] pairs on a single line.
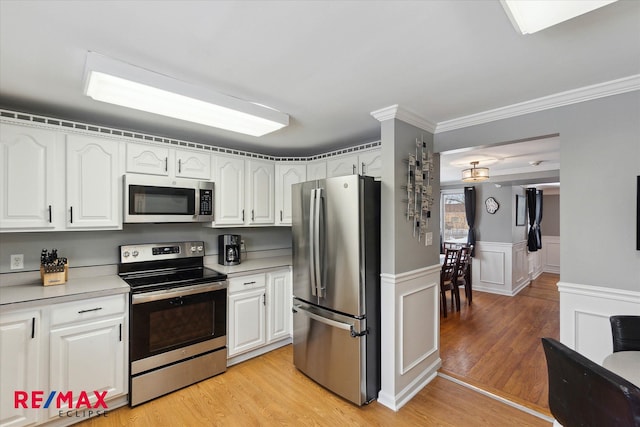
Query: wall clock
[[492, 205]]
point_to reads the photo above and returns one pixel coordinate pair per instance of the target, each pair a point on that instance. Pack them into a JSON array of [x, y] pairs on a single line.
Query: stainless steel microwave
[[149, 198]]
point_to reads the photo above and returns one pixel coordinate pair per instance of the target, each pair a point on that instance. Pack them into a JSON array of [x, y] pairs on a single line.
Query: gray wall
[[90, 248], [550, 215], [401, 252], [600, 152]]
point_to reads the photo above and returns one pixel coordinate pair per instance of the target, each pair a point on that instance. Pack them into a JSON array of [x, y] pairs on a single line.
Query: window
[[454, 226]]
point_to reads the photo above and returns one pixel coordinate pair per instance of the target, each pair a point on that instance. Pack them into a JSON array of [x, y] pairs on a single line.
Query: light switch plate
[[429, 237]]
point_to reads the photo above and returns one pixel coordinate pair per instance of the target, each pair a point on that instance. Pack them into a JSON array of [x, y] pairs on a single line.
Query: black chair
[[583, 393], [626, 333]]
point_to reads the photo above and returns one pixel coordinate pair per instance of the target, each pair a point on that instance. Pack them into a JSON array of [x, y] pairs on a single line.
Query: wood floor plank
[[495, 343]]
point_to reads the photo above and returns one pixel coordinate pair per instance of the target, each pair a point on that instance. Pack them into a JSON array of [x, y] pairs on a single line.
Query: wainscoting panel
[[551, 254], [520, 274], [492, 267], [584, 316], [410, 337]]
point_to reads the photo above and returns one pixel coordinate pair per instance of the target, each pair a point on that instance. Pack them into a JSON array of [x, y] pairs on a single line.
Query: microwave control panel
[[206, 202]]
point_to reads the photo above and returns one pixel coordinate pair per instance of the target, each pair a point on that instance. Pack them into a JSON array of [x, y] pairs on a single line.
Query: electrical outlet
[[17, 261]]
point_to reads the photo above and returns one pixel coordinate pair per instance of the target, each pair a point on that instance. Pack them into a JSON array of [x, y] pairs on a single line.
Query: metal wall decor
[[419, 189]]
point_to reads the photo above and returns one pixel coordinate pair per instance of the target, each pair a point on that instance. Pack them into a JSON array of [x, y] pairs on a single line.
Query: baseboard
[[258, 351], [405, 395]]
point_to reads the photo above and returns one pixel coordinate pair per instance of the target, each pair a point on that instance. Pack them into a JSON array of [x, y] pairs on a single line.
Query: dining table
[[625, 364]]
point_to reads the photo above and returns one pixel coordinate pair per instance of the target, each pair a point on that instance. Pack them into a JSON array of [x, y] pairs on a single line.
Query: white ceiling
[[328, 64]]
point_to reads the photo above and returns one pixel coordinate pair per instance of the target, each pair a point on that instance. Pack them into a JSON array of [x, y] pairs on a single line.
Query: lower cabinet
[[259, 311], [74, 349]]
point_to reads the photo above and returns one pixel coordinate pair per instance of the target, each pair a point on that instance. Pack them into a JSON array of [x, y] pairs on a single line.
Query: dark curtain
[[534, 207], [470, 211]]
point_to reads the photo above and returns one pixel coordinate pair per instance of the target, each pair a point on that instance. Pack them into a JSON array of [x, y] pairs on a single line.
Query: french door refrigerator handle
[[312, 258], [330, 322], [318, 266]]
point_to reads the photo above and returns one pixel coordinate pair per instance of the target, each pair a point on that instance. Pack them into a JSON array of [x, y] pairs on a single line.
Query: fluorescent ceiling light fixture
[[116, 82], [529, 16]]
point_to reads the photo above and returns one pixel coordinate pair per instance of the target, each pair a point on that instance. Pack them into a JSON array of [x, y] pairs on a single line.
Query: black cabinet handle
[[49, 213], [252, 216], [280, 216], [242, 215], [89, 310], [120, 339], [264, 299], [179, 165], [354, 169], [33, 327], [166, 164], [249, 283], [71, 211]]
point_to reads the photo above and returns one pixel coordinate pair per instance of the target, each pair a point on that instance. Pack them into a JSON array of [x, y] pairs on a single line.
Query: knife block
[[57, 278]]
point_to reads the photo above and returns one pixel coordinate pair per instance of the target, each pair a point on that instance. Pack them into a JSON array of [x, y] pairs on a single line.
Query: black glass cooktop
[[147, 281]]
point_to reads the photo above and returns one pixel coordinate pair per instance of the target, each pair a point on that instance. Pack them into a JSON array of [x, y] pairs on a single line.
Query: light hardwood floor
[[269, 391], [495, 343]]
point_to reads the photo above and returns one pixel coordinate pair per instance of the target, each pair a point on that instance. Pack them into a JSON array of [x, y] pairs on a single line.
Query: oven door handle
[[176, 292]]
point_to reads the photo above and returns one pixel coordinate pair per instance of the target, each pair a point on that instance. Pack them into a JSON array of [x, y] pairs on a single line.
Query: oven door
[[175, 324]]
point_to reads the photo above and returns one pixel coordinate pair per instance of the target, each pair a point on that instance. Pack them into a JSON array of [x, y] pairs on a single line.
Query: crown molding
[[400, 113], [587, 93]]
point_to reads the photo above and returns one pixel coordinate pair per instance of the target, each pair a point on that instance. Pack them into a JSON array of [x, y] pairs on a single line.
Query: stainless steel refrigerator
[[336, 284]]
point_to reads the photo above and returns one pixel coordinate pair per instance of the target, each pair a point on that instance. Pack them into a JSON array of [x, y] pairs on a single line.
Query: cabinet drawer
[[87, 309], [243, 283]]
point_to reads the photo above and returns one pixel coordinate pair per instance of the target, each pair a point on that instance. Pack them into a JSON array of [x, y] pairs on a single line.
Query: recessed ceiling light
[[529, 16]]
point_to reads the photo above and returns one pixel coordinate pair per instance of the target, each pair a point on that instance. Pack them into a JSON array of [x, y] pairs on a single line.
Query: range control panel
[[160, 251]]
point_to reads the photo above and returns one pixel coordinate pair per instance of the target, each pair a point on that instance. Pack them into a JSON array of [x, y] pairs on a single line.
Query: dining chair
[[463, 274], [626, 332], [448, 273], [583, 393]]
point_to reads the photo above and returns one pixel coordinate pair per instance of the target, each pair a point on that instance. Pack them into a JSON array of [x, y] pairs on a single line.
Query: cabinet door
[[316, 169], [191, 164], [246, 321], [19, 371], [279, 315], [344, 165], [287, 174], [261, 192], [370, 163], [30, 197], [229, 191], [147, 159], [93, 183], [88, 356]]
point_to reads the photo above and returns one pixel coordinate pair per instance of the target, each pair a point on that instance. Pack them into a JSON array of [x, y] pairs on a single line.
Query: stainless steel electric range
[[178, 317]]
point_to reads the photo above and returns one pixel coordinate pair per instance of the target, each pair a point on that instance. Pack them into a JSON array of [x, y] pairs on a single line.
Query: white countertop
[[27, 295], [252, 265]]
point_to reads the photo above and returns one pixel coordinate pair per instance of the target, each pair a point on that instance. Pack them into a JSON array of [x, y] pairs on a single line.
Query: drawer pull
[[91, 309], [249, 283]]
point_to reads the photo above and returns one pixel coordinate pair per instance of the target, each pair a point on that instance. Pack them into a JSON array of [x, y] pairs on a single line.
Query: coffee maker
[[229, 249]]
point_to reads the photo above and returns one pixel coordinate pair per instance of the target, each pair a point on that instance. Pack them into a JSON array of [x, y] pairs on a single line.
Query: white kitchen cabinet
[[229, 196], [287, 174], [365, 163], [31, 197], [157, 160], [370, 163], [87, 347], [260, 192], [316, 169], [192, 164], [93, 183], [20, 350], [246, 320], [279, 315], [147, 159]]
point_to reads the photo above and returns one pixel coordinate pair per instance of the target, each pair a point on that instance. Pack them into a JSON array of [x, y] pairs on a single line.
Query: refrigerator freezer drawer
[[330, 349]]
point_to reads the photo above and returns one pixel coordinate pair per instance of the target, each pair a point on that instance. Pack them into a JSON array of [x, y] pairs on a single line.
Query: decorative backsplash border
[[137, 136]]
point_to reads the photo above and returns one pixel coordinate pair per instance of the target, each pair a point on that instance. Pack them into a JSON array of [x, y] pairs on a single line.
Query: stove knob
[[200, 248], [135, 253], [193, 248], [125, 254]]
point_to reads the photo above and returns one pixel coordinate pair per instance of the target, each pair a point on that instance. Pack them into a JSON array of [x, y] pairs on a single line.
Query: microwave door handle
[[318, 244], [312, 256]]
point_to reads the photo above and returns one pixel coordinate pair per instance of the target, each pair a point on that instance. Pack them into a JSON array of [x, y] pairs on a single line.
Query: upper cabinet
[[30, 196], [93, 183], [316, 169], [229, 190], [287, 174], [260, 192], [367, 163], [157, 160], [51, 185]]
